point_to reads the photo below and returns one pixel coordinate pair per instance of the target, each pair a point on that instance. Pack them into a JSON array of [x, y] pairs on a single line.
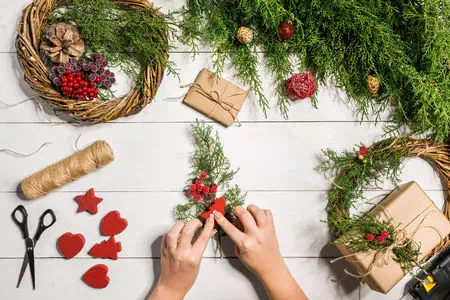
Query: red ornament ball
[[380, 239], [370, 237], [384, 234], [301, 86], [285, 30]]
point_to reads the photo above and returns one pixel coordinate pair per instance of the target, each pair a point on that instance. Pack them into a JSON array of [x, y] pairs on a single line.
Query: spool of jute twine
[[97, 155]]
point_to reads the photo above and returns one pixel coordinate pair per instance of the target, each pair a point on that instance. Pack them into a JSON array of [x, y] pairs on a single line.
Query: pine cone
[[62, 42]]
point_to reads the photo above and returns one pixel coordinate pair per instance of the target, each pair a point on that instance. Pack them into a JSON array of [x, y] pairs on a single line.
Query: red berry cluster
[[200, 191], [362, 154], [74, 86], [380, 238]]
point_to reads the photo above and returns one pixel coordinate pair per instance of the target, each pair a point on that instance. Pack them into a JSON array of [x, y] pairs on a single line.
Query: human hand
[[257, 247], [180, 259], [254, 237]]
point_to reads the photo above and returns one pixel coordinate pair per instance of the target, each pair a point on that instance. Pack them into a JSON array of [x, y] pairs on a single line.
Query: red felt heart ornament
[[70, 244], [113, 224], [97, 276]]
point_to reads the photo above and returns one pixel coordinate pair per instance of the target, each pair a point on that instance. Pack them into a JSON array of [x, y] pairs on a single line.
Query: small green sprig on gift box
[[209, 165]]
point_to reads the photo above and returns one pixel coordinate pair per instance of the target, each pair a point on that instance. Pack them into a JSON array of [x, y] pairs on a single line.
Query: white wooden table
[[277, 159]]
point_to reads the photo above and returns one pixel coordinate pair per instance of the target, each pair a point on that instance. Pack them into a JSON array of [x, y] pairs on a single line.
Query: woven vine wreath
[[31, 28], [352, 172]]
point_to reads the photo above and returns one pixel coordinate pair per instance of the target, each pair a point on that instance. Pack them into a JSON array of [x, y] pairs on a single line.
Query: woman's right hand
[[256, 245]]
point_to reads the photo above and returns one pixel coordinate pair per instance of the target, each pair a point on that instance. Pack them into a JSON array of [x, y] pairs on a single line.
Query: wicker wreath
[[348, 184], [32, 24]]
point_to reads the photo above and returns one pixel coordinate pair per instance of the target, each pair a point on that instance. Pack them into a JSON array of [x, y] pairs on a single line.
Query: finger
[[173, 234], [187, 234], [163, 245], [203, 238], [258, 214], [269, 216], [246, 218], [238, 224], [235, 234]]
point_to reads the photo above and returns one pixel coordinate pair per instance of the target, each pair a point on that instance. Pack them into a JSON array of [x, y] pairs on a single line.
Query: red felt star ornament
[[218, 205], [88, 202]]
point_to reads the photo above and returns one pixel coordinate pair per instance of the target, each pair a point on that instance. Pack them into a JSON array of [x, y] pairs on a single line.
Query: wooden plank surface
[[277, 157]]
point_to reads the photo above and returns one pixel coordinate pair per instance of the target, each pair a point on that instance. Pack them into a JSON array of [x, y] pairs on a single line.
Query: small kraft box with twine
[[416, 215], [216, 97]]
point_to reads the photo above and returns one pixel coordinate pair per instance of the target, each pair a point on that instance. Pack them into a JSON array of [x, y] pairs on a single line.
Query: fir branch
[[405, 44], [129, 38], [209, 157]]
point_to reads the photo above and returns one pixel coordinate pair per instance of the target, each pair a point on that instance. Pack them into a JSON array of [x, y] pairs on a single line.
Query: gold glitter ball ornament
[[244, 35], [373, 84]]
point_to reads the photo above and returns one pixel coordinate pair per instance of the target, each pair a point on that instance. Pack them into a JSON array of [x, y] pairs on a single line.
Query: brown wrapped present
[[215, 97], [409, 207]]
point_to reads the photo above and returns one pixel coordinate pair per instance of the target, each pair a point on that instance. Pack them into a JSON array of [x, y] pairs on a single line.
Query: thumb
[[235, 234]]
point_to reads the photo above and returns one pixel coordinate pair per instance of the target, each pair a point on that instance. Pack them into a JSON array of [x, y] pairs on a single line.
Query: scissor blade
[[31, 261], [23, 269]]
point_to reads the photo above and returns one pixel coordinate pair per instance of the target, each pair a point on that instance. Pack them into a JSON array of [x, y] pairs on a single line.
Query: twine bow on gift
[[385, 255], [218, 98]]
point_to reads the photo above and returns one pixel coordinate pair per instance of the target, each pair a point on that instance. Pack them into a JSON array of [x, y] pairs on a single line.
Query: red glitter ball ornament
[[301, 86], [285, 30]]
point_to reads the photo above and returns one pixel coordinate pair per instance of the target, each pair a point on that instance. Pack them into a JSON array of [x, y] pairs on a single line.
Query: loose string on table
[[18, 154]]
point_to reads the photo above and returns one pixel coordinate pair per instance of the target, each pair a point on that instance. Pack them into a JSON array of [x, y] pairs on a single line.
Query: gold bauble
[[244, 35], [373, 84]]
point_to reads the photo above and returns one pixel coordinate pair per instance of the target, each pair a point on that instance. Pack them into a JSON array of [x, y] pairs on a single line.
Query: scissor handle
[[42, 227], [23, 225]]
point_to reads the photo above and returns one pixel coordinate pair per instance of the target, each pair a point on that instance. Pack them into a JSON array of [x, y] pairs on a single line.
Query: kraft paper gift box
[[410, 208], [216, 97]]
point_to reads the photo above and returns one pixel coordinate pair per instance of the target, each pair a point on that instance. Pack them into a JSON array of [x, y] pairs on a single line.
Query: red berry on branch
[[192, 187], [199, 187], [203, 175], [380, 239], [370, 237], [192, 193], [213, 190], [214, 186], [205, 189], [197, 197], [384, 234], [362, 150], [285, 30], [199, 182]]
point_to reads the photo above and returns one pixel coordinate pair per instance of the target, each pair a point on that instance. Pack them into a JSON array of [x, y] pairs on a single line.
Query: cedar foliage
[[405, 43], [129, 38], [209, 157]]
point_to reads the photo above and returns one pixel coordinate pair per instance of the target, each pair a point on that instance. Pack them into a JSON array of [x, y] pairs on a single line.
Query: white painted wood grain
[[154, 157], [219, 279]]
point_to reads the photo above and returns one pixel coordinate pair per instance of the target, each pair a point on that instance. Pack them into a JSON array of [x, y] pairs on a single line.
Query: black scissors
[[30, 243]]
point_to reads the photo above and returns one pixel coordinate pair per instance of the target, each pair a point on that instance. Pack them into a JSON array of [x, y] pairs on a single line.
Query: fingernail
[[211, 215], [214, 232]]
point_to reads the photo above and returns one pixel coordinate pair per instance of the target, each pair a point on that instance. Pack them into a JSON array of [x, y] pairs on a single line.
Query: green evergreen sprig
[[209, 157], [405, 44], [129, 38], [351, 177]]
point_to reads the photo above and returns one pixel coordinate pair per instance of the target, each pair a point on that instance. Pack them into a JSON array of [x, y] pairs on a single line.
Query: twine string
[[97, 155], [18, 154]]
